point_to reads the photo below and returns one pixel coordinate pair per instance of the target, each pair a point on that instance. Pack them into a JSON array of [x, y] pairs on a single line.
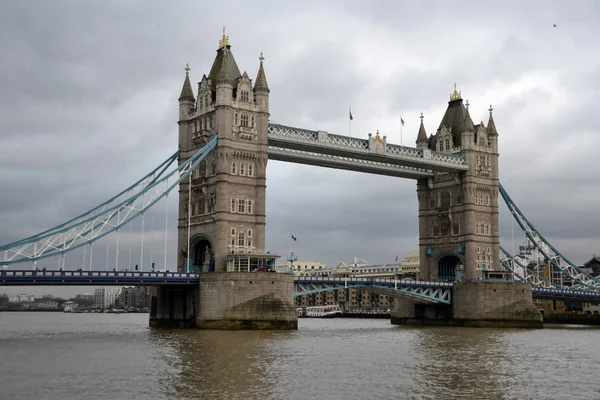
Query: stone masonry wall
[[495, 304], [247, 300]]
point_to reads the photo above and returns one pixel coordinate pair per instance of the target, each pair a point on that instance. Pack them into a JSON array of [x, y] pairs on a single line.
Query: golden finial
[[456, 95], [377, 135], [224, 40], [261, 58], [187, 69]]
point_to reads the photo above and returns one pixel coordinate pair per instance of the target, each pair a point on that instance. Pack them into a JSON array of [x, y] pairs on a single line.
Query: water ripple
[[84, 356]]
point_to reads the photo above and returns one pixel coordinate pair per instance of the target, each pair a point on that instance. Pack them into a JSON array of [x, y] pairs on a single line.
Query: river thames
[[105, 356]]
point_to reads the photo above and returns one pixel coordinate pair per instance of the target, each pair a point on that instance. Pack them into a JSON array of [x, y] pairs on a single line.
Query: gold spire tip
[[224, 40], [456, 95]]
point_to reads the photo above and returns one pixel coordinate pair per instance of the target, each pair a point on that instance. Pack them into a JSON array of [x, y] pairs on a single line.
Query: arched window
[[448, 144], [445, 200]]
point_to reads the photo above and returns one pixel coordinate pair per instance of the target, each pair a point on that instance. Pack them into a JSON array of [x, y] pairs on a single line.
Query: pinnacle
[[422, 136], [468, 123], [261, 78], [186, 91], [491, 126]]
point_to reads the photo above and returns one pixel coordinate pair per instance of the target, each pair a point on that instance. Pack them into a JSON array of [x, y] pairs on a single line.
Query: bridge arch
[[202, 254], [448, 265]]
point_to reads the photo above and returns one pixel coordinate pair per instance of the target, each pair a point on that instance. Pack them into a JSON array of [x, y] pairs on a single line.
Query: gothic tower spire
[[261, 79], [491, 127], [187, 94], [422, 141], [468, 125]]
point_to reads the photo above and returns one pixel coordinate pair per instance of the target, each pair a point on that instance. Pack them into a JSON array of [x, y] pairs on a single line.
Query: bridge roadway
[[429, 290], [97, 278]]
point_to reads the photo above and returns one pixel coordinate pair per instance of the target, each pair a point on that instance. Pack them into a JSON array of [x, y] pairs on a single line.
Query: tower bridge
[[225, 143]]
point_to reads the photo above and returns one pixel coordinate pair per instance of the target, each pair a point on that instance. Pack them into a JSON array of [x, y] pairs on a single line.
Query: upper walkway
[[373, 155]]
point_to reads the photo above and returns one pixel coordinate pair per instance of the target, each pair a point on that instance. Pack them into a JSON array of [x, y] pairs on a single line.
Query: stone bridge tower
[[222, 217], [458, 212], [221, 225]]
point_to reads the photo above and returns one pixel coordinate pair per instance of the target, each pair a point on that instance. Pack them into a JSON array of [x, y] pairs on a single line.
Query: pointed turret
[[468, 125], [186, 98], [468, 137], [261, 88], [261, 78], [223, 76], [422, 141], [454, 116], [224, 67], [187, 94], [491, 126]]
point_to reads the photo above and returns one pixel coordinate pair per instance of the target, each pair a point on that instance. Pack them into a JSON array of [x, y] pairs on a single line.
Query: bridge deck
[[96, 278], [372, 155], [306, 284]]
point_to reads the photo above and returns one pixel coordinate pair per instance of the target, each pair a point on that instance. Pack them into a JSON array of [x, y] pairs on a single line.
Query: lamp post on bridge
[[291, 259]]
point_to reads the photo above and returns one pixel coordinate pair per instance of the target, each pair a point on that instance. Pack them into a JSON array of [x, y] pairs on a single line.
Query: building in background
[[134, 297], [359, 268], [46, 305], [21, 298], [302, 268], [106, 297], [409, 266]]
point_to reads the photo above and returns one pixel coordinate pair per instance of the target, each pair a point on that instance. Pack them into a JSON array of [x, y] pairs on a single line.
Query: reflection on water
[[460, 362], [84, 356], [212, 364]]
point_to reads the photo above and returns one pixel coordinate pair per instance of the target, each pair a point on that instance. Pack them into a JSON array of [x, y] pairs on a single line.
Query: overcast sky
[[88, 104]]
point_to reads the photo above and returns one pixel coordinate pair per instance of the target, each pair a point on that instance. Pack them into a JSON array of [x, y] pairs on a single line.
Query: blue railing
[[96, 278]]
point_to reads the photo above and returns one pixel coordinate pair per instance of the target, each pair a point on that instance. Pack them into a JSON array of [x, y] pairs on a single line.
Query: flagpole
[[401, 131], [350, 120]]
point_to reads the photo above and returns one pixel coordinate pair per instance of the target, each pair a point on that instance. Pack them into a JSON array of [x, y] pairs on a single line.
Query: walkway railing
[[96, 278]]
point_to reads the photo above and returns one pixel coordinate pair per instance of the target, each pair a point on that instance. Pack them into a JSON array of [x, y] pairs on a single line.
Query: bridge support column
[[414, 312], [247, 300], [173, 307], [474, 304], [495, 304]]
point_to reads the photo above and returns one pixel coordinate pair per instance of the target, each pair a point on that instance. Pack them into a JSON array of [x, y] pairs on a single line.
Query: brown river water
[[54, 356]]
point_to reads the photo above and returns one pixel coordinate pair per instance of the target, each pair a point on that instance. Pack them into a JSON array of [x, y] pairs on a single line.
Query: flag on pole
[[350, 112], [401, 121], [294, 238]]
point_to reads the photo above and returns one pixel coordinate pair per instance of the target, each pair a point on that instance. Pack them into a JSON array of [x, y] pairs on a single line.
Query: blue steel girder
[[107, 218], [433, 292], [522, 273], [97, 278], [373, 149], [586, 296], [561, 263], [345, 163]]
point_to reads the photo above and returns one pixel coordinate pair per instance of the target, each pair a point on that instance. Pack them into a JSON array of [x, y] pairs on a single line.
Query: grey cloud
[[88, 105]]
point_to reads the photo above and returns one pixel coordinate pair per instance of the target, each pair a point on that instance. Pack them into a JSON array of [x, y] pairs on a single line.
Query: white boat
[[319, 311]]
